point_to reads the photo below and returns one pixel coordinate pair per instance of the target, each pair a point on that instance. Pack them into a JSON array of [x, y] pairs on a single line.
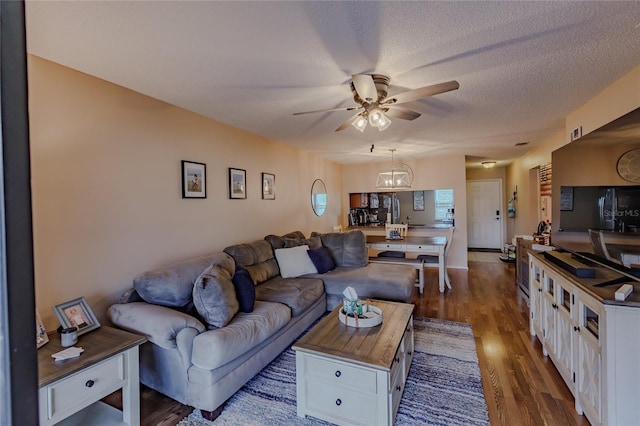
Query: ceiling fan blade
[[423, 92], [402, 113], [365, 87], [353, 108], [347, 123]]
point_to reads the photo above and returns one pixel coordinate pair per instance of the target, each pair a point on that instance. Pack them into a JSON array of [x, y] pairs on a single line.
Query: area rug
[[444, 386]]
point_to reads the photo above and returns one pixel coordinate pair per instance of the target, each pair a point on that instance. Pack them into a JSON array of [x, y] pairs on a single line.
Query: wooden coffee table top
[[373, 346]]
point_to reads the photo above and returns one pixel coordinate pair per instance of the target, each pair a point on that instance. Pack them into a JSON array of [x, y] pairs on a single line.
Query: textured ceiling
[[522, 66]]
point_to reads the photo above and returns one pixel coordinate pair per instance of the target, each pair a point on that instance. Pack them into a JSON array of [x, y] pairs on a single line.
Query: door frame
[[502, 207]]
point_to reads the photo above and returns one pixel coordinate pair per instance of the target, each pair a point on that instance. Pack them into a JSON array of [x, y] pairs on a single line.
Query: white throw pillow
[[294, 262]]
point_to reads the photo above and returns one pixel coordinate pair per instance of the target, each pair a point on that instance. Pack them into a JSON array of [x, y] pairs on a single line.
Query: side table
[[70, 390]]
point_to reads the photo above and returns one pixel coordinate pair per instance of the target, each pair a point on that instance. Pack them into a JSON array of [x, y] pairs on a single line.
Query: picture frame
[[76, 313], [237, 183], [268, 186], [194, 179], [418, 200], [42, 338]]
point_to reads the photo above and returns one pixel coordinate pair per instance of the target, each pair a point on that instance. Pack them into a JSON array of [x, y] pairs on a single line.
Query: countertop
[[417, 226], [606, 295]]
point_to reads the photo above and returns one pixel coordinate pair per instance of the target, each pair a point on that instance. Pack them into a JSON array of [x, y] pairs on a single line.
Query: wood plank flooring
[[521, 386]]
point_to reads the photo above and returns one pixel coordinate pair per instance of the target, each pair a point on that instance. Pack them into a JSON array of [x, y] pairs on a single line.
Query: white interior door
[[484, 214]]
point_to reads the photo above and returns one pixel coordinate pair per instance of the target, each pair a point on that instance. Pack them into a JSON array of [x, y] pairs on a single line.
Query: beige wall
[[429, 173], [616, 100], [106, 185]]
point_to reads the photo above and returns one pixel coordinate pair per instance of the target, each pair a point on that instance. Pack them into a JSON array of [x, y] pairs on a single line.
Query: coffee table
[[349, 375]]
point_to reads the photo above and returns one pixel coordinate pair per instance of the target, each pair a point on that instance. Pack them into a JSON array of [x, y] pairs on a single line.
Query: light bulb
[[360, 123]]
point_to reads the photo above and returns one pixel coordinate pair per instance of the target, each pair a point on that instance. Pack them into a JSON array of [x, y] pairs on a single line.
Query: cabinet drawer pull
[[338, 373], [398, 359], [90, 383], [398, 388], [409, 353], [338, 401]]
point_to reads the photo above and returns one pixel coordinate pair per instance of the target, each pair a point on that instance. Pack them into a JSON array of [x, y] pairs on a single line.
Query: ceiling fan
[[370, 93]]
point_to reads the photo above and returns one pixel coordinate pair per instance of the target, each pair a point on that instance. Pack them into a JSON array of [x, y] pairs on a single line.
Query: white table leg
[[421, 278], [131, 391]]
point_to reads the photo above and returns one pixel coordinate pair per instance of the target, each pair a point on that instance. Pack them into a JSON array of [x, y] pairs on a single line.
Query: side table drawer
[[337, 373], [82, 389]]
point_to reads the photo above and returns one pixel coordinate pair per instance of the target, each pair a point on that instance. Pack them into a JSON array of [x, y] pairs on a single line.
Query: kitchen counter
[[417, 226], [605, 295]]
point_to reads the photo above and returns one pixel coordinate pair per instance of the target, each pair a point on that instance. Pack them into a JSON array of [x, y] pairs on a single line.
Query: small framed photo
[[41, 332], [418, 200], [268, 186], [194, 176], [76, 313], [237, 183]]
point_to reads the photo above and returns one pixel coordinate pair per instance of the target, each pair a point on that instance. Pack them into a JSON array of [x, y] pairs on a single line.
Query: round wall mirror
[[319, 197]]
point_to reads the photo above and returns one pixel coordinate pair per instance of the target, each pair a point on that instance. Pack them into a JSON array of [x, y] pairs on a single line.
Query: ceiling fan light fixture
[[488, 164], [383, 122], [360, 123]]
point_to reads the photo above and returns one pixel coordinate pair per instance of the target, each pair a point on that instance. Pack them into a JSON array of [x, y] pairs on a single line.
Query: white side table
[[70, 390]]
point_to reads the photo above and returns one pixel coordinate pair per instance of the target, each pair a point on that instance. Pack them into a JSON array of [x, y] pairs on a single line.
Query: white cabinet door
[[589, 368], [535, 294], [563, 348], [548, 313]]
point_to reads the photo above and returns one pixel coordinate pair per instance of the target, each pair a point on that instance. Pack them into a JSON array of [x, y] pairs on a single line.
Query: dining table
[[432, 245]]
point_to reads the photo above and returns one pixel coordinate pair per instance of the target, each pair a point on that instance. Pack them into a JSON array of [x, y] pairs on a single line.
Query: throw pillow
[[294, 262], [245, 289], [215, 297], [322, 259]]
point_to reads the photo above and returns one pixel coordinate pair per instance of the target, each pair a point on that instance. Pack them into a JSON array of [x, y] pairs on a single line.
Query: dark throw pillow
[[245, 289], [322, 259]]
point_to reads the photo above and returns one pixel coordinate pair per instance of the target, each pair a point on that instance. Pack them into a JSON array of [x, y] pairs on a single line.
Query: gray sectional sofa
[[199, 361]]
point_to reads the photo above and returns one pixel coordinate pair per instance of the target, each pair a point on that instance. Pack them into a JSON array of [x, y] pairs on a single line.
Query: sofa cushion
[[245, 289], [322, 259], [376, 281], [277, 241], [257, 257], [215, 297], [347, 248], [172, 285], [294, 262], [312, 243], [297, 293], [215, 348]]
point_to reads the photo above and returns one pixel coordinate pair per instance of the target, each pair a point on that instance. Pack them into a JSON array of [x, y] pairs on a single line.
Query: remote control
[[624, 291], [71, 352]]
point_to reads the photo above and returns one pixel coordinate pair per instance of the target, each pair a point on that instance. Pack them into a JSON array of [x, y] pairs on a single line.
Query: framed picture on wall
[[237, 183], [418, 200], [194, 180], [268, 186]]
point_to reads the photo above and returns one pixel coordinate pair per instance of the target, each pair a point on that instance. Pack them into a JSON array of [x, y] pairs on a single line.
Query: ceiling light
[[378, 119], [488, 164], [360, 123], [400, 176]]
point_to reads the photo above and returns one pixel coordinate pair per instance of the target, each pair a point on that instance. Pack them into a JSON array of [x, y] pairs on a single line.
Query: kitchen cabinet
[[593, 340], [359, 200]]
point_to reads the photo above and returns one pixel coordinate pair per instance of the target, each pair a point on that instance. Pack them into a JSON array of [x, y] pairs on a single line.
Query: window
[[444, 205]]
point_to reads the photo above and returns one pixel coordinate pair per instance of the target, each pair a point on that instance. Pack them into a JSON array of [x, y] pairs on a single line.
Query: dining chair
[[597, 242], [402, 231], [429, 258]]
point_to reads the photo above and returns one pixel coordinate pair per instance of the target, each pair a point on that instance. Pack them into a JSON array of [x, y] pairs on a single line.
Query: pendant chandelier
[[399, 176]]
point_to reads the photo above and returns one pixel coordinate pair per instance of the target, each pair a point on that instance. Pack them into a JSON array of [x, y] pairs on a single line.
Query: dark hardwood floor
[[521, 386]]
